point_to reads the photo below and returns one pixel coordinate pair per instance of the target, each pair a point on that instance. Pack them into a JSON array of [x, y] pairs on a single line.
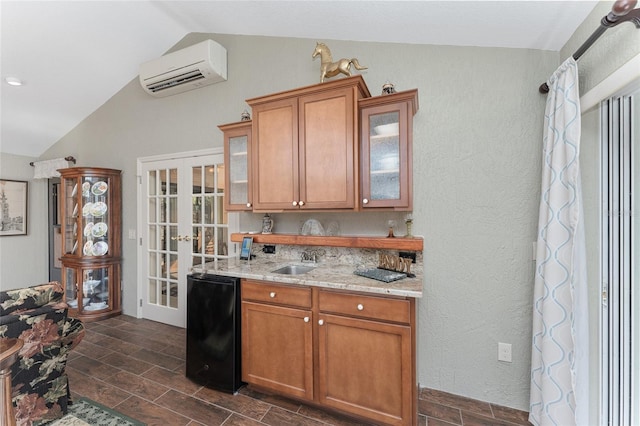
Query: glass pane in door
[[162, 239], [384, 158], [210, 226]]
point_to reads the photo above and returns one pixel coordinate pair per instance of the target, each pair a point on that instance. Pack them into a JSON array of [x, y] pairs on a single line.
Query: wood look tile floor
[[136, 367]]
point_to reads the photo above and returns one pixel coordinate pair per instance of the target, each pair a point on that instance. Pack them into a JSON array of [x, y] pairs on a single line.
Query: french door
[[184, 224]]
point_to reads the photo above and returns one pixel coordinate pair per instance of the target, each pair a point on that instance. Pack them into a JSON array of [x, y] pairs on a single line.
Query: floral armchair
[[38, 316]]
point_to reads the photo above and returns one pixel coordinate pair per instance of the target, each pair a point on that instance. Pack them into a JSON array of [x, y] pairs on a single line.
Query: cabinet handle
[[187, 238], [295, 203], [179, 238], [360, 306], [301, 203], [248, 204], [173, 238], [306, 319], [365, 201], [272, 294], [320, 322]]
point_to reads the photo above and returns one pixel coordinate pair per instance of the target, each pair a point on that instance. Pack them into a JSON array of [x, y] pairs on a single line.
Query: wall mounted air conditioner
[[195, 66]]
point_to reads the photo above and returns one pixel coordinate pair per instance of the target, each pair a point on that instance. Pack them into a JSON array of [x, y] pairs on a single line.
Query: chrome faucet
[[311, 255]]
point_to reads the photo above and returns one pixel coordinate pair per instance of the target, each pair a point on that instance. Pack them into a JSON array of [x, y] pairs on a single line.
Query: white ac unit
[[195, 66]]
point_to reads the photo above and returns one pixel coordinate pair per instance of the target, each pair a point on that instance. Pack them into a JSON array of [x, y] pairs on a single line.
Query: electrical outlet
[[504, 352], [408, 255], [269, 248]]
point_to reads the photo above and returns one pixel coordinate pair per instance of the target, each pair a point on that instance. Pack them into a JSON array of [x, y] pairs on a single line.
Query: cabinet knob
[[187, 237], [360, 306], [295, 203], [306, 319], [248, 204], [301, 203], [272, 294], [320, 322], [365, 201]]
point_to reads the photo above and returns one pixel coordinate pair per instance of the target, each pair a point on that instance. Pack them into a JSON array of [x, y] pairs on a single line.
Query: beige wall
[[24, 259]]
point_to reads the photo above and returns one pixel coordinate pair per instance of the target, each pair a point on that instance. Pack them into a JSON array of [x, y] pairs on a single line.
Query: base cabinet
[[357, 356], [277, 338]]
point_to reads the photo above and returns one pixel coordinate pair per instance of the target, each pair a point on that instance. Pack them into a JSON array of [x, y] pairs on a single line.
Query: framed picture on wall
[[13, 207]]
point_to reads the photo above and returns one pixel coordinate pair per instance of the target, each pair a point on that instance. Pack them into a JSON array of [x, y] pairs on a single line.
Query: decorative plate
[[75, 246], [98, 209], [75, 210], [74, 190], [93, 307], [86, 209], [87, 249], [85, 189], [99, 229], [99, 188], [87, 229], [100, 248]]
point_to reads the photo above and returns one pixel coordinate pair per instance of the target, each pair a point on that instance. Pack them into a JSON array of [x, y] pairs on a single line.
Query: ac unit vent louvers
[[176, 81]]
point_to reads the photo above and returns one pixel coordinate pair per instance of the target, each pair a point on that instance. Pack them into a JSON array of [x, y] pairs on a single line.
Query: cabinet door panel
[[327, 150], [277, 349], [365, 367], [275, 155]]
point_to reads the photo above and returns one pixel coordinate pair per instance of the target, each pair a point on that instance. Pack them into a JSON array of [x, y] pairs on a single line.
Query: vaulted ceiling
[[72, 56]]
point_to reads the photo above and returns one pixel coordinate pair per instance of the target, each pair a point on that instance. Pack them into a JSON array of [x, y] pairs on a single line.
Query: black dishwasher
[[213, 331]]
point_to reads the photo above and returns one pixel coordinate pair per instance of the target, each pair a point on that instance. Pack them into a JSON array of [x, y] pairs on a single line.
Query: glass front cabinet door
[[386, 136], [237, 160], [91, 243]]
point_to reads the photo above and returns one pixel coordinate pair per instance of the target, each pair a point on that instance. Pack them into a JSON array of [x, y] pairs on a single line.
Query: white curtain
[[49, 168], [559, 355]]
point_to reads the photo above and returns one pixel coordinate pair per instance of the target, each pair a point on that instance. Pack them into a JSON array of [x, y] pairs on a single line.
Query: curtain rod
[[621, 11], [69, 158]]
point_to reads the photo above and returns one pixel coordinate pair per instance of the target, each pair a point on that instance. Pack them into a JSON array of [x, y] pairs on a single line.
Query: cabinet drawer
[[380, 308], [276, 294]]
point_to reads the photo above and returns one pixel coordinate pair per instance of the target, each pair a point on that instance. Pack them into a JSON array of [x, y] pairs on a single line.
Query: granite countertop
[[325, 274]]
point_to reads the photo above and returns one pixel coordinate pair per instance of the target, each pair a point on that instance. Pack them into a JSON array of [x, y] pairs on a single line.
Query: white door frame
[[140, 221]]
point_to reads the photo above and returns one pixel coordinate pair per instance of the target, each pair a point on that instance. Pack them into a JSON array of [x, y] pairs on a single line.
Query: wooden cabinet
[[237, 162], [91, 243], [277, 348], [366, 357], [346, 351], [304, 147], [386, 132]]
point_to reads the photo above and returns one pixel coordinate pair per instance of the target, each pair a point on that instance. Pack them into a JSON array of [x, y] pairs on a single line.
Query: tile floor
[[137, 367]]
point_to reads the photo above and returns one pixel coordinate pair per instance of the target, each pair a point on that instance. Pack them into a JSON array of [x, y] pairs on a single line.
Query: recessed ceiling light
[[13, 81]]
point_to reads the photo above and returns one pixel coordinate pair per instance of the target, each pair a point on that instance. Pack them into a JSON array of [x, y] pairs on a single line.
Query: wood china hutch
[[92, 240]]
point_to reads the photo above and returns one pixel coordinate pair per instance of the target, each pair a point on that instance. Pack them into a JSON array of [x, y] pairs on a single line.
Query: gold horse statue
[[328, 68]]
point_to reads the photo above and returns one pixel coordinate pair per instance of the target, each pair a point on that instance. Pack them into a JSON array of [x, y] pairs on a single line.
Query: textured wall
[[612, 50], [476, 181], [24, 259]]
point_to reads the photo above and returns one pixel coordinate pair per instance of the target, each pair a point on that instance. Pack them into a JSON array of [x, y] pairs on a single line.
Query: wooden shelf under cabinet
[[398, 243]]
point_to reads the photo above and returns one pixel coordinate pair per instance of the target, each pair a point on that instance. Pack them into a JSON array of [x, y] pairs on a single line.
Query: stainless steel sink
[[294, 270]]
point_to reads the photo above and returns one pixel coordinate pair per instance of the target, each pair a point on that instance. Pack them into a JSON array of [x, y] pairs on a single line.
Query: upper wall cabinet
[[305, 147], [237, 159], [386, 126]]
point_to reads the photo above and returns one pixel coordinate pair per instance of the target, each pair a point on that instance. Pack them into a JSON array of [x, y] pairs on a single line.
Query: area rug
[[85, 412]]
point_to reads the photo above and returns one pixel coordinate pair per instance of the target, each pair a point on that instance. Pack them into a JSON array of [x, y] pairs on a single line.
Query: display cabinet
[[237, 161], [92, 240], [386, 137]]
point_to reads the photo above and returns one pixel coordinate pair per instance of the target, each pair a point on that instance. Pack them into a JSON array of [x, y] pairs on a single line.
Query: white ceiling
[[74, 55]]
